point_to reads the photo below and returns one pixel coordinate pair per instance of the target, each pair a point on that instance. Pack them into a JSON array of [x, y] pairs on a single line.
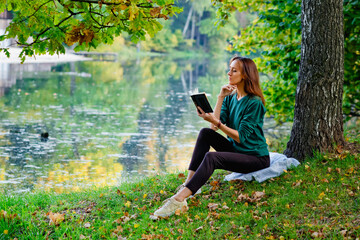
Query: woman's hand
[[207, 116], [226, 90]]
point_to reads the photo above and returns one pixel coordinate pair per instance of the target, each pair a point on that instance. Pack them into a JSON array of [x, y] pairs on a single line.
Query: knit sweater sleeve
[[224, 114]]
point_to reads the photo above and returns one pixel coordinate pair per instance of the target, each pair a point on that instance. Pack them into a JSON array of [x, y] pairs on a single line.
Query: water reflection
[[107, 122]]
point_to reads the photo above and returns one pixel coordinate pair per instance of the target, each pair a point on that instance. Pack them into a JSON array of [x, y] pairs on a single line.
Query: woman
[[239, 113]]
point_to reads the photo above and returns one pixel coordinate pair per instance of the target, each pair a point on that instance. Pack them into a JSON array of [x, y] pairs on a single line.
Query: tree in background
[[45, 25], [351, 104], [318, 119], [273, 39]]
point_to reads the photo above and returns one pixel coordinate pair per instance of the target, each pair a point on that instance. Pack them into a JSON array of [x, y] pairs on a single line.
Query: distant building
[[5, 19]]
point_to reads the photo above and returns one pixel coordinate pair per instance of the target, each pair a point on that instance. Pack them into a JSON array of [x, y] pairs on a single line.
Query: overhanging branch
[[140, 5]]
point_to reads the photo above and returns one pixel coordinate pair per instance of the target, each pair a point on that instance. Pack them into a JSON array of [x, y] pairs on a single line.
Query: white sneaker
[[170, 207]]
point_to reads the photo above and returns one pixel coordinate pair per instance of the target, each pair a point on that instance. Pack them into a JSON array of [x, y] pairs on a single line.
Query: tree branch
[[34, 12], [47, 29], [92, 17], [115, 4]]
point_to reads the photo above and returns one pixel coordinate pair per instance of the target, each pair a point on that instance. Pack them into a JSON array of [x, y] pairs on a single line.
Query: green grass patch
[[318, 199]]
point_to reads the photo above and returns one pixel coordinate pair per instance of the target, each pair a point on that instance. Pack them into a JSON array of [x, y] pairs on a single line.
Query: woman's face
[[234, 73]]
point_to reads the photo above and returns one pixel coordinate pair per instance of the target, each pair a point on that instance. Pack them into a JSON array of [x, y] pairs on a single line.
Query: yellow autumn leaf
[[145, 195], [101, 195], [321, 195], [229, 48], [136, 225], [6, 231], [133, 11], [128, 204]]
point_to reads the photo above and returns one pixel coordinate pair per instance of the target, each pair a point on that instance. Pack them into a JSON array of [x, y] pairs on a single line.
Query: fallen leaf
[[258, 195], [315, 234], [242, 197], [56, 218], [128, 204], [118, 229], [6, 231], [214, 183], [124, 219], [213, 206], [339, 149], [3, 214], [321, 195], [87, 225], [181, 175], [297, 183], [177, 212]]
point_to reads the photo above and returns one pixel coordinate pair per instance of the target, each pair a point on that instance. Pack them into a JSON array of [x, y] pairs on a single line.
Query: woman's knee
[[210, 157], [204, 132]]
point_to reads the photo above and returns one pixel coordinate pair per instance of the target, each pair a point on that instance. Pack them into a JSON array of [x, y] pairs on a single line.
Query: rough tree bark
[[318, 118]]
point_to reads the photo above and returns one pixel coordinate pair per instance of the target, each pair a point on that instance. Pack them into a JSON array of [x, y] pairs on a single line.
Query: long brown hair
[[250, 73]]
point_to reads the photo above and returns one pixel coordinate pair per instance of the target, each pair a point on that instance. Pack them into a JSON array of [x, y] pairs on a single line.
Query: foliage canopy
[[45, 25], [274, 41]]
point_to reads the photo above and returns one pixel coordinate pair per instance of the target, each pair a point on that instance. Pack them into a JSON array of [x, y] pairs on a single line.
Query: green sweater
[[247, 117]]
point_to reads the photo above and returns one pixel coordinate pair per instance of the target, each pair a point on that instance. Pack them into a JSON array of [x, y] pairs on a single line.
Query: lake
[[69, 126]]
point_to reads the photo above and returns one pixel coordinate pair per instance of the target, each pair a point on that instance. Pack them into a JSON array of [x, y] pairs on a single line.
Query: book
[[200, 99]]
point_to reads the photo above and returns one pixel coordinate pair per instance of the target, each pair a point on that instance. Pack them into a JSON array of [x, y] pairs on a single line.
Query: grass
[[320, 199]]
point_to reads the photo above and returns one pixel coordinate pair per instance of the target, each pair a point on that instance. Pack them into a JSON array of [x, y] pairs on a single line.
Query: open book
[[201, 100]]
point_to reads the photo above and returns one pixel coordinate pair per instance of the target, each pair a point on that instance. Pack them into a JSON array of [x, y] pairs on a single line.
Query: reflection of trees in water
[[134, 148], [25, 152], [164, 122]]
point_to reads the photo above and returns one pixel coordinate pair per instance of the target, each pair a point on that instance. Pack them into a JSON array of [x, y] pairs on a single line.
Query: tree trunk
[[318, 119], [187, 22], [193, 25]]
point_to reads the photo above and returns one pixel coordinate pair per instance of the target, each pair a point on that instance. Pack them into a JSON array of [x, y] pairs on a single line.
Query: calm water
[[107, 122]]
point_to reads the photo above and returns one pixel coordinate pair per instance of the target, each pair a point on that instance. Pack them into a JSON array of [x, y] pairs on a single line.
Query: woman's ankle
[[178, 199]]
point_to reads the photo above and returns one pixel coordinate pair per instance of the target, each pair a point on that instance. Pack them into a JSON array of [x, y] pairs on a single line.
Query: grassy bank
[[318, 199]]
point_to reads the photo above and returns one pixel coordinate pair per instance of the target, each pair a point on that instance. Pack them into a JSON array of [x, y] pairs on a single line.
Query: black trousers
[[204, 162]]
